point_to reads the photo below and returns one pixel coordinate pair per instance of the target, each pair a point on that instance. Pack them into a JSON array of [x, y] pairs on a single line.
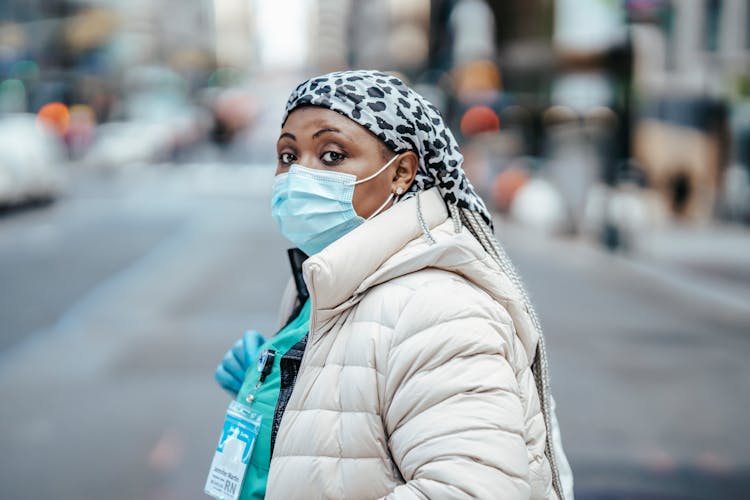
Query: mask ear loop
[[390, 197], [376, 173], [376, 212], [399, 192]]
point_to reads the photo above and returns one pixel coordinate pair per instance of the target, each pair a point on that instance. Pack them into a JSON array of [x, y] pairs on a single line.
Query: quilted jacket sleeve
[[452, 408]]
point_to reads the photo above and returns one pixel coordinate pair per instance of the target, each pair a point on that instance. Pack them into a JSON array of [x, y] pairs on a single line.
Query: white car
[[158, 118], [120, 144], [31, 161]]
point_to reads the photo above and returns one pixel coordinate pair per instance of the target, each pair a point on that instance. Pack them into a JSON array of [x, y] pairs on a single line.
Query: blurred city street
[[611, 139], [117, 320]]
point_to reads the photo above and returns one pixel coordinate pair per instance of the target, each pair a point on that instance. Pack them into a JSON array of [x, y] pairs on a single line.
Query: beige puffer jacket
[[416, 379]]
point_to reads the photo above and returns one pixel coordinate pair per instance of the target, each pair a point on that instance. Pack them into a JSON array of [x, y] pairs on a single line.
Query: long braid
[[540, 367]]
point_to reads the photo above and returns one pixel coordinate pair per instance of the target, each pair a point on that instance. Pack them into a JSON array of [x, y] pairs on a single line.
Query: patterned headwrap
[[404, 121]]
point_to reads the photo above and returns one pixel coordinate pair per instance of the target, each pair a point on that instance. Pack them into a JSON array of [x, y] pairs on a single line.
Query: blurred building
[[674, 74], [79, 52], [690, 61], [384, 34], [577, 87], [329, 28], [235, 33]]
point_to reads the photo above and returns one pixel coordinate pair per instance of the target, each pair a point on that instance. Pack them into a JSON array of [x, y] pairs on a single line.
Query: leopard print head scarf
[[404, 121]]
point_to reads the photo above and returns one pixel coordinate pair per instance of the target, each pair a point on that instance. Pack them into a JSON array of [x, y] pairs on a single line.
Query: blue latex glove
[[230, 374]]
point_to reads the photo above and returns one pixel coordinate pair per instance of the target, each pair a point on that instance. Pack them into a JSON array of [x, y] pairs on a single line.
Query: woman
[[412, 364]]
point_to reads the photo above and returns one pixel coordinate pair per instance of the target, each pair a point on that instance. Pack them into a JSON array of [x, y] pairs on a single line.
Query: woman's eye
[[332, 158], [287, 158]]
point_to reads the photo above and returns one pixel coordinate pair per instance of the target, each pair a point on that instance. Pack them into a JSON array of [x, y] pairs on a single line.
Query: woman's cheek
[[368, 199], [361, 201]]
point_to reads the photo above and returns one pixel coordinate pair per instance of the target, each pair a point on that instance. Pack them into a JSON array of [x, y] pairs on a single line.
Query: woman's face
[[319, 138]]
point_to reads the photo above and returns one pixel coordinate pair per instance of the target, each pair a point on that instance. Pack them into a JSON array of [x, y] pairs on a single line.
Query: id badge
[[227, 472]]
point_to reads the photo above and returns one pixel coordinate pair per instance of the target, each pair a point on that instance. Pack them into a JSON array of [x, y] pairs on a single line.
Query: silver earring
[[399, 191]]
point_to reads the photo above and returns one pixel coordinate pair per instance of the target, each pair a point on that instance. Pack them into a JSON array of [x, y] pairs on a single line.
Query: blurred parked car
[[158, 120], [31, 161], [125, 143]]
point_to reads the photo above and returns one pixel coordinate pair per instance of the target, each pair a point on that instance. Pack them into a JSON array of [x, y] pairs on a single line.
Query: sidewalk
[[708, 268], [712, 262]]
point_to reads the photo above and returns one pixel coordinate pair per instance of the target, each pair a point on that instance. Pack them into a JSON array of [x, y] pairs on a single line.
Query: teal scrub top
[[265, 398]]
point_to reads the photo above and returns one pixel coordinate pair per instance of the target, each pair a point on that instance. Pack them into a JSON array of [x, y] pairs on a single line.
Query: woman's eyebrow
[[328, 129], [287, 134]]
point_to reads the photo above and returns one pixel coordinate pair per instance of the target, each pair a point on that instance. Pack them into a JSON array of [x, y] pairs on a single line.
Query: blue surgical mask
[[314, 207]]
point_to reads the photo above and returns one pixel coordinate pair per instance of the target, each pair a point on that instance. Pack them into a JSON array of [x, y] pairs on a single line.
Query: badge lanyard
[[241, 428], [265, 365]]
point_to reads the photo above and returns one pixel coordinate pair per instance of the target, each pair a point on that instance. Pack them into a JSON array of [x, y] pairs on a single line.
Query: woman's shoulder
[[434, 295], [426, 277], [438, 313]]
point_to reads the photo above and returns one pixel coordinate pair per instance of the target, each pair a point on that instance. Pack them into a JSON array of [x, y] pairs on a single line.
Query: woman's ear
[[406, 171]]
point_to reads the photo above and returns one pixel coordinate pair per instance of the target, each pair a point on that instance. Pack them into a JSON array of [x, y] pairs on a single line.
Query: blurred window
[[711, 25], [34, 10], [666, 21]]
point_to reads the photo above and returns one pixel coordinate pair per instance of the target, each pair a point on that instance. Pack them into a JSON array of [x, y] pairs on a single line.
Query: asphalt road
[[117, 302]]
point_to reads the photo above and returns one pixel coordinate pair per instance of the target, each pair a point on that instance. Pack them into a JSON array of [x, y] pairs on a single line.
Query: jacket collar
[[393, 244], [334, 274]]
